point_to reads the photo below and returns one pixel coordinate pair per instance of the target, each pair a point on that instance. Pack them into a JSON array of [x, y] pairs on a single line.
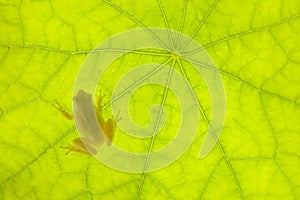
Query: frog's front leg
[[81, 145], [62, 110], [98, 108]]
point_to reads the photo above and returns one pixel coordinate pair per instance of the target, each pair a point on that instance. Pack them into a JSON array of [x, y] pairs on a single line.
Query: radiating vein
[[137, 83], [181, 25], [238, 35], [156, 128], [50, 49], [136, 21], [52, 76], [244, 82], [166, 23], [200, 25], [211, 131]]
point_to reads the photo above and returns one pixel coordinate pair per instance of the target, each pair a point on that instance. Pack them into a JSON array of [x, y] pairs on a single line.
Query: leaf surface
[[254, 44]]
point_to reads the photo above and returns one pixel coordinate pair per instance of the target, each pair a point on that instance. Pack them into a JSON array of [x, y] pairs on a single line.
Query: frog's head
[[82, 96]]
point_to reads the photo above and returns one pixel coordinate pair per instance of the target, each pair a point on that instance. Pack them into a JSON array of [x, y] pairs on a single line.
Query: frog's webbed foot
[[62, 110], [118, 118], [70, 148], [99, 100], [80, 147]]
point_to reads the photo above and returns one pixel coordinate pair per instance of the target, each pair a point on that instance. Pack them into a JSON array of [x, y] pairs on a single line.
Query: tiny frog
[[89, 121]]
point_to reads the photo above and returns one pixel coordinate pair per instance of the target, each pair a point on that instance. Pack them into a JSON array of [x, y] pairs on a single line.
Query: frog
[[90, 122]]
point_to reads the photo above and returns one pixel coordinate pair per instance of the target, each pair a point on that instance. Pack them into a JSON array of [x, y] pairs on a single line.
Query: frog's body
[[90, 123]]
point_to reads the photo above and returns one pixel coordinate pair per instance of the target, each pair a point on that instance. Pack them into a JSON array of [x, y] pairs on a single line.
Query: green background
[[255, 45]]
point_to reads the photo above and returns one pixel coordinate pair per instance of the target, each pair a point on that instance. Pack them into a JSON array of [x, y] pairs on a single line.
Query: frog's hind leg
[[70, 148]]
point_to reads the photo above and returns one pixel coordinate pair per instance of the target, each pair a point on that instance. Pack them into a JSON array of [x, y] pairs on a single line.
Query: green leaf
[[254, 44]]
